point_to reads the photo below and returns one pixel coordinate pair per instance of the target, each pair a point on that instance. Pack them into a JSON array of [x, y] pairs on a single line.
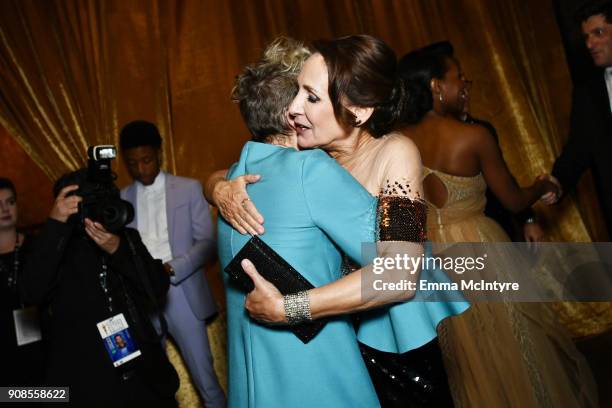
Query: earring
[[357, 123], [441, 99]]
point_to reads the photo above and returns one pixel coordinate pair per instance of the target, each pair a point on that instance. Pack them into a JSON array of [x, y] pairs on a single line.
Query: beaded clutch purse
[[277, 271]]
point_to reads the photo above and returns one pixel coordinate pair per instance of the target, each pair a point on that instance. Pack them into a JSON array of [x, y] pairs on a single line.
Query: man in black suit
[[589, 145]]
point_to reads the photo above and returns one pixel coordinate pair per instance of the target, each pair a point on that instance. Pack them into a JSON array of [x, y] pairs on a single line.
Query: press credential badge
[[117, 339], [27, 325]]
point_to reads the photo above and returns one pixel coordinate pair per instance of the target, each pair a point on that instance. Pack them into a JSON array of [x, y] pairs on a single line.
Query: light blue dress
[[313, 209]]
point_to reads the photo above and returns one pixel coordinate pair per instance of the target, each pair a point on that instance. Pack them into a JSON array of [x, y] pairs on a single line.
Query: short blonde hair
[[287, 53], [265, 89]]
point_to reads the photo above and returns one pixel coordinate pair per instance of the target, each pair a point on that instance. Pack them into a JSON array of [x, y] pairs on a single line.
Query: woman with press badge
[[101, 285]]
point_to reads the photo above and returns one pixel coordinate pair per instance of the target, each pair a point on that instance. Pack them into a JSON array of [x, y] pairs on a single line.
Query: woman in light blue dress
[[270, 366], [312, 207], [313, 210]]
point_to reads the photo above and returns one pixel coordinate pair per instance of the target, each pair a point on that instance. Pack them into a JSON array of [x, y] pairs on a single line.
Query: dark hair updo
[[362, 72], [417, 69]]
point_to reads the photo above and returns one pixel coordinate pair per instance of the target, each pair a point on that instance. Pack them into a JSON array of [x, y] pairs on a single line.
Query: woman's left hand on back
[[234, 204], [264, 303]]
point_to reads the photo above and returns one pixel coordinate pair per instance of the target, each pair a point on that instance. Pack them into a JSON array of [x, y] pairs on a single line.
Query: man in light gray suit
[[173, 219]]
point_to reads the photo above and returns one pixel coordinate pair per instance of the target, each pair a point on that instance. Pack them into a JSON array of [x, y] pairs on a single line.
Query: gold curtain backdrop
[[33, 186], [74, 71]]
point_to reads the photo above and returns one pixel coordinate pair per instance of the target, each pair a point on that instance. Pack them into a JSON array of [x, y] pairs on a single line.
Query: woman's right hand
[[551, 187], [235, 206], [65, 205], [264, 303]]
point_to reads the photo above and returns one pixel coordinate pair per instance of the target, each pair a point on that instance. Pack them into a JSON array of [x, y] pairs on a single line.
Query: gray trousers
[[191, 337]]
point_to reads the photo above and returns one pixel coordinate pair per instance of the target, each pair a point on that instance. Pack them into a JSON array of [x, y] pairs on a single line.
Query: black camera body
[[101, 199]]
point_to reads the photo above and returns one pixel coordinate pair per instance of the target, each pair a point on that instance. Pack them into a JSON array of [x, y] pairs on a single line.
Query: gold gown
[[502, 354]]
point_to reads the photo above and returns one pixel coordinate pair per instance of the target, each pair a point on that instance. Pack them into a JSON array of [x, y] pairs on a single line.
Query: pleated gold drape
[[74, 71]]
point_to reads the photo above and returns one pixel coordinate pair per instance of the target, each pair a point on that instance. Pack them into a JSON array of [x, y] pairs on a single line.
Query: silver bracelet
[[297, 307]]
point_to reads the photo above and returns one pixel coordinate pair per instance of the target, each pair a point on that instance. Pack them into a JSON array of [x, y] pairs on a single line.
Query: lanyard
[[12, 275]]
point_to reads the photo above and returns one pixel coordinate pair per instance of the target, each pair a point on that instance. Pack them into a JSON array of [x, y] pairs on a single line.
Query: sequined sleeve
[[401, 214]]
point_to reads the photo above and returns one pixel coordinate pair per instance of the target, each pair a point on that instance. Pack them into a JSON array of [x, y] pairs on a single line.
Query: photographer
[[99, 286]]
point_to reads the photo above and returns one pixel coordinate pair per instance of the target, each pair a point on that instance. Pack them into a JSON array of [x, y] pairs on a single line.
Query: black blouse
[[22, 365]]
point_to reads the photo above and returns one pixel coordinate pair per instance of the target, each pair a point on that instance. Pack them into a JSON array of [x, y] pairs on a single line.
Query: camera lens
[[116, 214], [110, 214]]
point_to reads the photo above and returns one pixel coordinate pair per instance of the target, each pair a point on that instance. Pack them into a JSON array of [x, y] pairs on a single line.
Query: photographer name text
[[425, 285]]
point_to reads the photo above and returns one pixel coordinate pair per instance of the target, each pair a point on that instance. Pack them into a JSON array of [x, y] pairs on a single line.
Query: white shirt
[[152, 219], [608, 76]]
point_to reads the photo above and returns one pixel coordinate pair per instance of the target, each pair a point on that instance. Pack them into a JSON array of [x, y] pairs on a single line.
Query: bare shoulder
[[400, 157], [473, 129], [474, 136], [400, 146]]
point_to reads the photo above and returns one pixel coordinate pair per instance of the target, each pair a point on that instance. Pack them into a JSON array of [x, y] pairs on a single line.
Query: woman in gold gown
[[497, 354]]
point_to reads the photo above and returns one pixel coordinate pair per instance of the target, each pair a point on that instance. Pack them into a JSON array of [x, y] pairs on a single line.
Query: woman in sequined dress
[[497, 354], [21, 365], [349, 110]]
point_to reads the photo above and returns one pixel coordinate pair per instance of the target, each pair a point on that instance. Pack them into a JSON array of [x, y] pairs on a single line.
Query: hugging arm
[[233, 202], [342, 208]]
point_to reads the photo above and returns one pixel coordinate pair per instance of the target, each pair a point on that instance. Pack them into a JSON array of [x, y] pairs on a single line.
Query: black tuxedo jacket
[[590, 143]]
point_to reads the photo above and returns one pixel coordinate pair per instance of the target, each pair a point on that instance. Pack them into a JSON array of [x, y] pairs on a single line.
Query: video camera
[[101, 198]]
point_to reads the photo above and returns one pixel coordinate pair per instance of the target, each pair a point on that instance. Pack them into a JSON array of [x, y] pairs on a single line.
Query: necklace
[[104, 284], [12, 275]]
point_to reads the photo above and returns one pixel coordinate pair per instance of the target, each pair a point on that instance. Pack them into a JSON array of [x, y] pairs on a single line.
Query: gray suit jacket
[[192, 239]]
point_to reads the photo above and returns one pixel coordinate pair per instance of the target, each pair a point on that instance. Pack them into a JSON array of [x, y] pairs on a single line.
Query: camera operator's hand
[[64, 206], [105, 240]]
